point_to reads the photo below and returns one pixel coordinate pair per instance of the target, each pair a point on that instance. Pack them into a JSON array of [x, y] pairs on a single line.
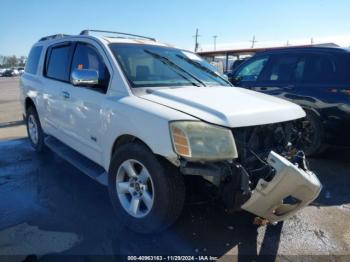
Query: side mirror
[[84, 77], [235, 80]]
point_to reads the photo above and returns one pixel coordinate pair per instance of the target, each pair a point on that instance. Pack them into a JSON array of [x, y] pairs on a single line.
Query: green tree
[[11, 61]]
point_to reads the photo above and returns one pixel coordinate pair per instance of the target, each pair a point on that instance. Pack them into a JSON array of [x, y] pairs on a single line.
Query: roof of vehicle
[[106, 36], [308, 49]]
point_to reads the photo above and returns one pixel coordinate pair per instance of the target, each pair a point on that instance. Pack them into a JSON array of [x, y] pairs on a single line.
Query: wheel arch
[[28, 102], [127, 138]]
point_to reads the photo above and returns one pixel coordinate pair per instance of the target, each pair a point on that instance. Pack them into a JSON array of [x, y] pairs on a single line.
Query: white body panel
[[228, 106]]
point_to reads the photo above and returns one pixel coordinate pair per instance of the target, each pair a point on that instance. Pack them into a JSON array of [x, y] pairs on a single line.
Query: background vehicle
[[10, 73], [20, 70], [317, 78], [138, 116], [2, 70]]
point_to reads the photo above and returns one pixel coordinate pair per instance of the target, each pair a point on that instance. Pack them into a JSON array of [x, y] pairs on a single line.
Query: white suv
[[139, 116]]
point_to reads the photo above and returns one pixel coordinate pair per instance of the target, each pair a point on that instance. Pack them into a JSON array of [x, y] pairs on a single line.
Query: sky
[[273, 22]]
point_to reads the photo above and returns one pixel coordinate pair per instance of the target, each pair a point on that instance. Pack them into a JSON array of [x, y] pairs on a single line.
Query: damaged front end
[[270, 178]]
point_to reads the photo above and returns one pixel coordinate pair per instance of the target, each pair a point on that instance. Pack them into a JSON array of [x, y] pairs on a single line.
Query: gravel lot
[[49, 207]]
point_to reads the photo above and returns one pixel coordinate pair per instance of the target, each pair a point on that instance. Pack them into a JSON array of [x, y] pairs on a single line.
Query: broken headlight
[[197, 141]]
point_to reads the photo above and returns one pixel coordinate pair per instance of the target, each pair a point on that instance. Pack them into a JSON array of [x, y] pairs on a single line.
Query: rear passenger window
[[33, 60], [58, 63], [320, 69], [283, 69]]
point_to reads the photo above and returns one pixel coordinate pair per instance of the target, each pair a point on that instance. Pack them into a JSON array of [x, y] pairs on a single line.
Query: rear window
[[58, 63], [33, 60]]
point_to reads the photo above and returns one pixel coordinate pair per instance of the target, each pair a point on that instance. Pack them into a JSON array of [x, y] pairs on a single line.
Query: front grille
[[257, 141]]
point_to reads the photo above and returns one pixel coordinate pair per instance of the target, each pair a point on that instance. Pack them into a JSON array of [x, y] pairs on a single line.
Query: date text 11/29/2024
[[172, 258]]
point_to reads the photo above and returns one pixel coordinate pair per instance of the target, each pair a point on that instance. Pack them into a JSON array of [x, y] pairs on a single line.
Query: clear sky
[[175, 21]]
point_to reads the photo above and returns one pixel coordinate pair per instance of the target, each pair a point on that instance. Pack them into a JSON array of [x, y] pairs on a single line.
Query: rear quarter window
[[33, 60]]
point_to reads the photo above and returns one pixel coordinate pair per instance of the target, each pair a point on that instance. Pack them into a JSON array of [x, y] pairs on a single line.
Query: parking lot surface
[[48, 207]]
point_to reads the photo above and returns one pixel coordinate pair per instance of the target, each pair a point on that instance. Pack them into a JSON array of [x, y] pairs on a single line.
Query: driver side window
[[252, 70], [87, 57]]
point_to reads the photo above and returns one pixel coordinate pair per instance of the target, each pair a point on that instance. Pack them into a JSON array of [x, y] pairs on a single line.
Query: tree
[[11, 61]]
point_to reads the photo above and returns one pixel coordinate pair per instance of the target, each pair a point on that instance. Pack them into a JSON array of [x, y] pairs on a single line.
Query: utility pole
[[196, 41], [287, 43], [312, 40], [215, 36], [253, 41]]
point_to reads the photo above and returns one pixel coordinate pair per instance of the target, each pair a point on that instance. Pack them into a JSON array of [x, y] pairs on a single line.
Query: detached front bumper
[[269, 200]]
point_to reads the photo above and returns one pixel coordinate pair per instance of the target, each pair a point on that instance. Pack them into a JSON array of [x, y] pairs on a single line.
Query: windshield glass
[[154, 66]]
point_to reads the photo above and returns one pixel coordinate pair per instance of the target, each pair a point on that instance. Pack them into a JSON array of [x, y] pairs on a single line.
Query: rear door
[[84, 108], [56, 78]]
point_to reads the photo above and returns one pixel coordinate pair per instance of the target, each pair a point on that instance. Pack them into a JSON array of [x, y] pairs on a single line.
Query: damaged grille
[[256, 142]]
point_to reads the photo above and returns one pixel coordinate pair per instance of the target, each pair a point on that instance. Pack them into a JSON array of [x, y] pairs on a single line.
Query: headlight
[[196, 140]]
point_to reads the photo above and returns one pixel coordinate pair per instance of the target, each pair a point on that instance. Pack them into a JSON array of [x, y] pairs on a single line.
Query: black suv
[[317, 78]]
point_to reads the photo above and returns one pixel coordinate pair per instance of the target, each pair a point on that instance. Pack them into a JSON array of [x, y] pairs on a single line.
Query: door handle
[[65, 94]]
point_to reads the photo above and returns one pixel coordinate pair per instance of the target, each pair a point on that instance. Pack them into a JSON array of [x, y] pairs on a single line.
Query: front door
[[84, 108]]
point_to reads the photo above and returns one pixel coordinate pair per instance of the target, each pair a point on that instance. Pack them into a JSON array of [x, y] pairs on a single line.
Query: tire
[[164, 185], [35, 132], [313, 135]]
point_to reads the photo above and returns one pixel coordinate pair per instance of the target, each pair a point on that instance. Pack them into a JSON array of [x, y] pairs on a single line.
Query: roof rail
[[50, 37], [87, 32]]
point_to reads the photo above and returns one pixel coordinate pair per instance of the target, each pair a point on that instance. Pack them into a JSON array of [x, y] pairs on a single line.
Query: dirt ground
[[49, 208]]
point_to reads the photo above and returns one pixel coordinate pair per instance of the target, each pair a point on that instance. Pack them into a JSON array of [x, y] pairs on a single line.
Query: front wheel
[[147, 193]]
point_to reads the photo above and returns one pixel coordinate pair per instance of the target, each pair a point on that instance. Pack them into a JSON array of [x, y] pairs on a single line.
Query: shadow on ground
[[44, 191]]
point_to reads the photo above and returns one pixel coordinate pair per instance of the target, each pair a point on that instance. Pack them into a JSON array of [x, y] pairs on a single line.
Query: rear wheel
[[312, 135], [34, 130], [147, 193]]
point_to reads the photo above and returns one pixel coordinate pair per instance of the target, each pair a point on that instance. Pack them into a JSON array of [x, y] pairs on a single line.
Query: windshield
[[154, 66]]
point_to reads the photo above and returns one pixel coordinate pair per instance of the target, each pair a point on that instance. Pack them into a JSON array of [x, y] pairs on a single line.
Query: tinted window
[[33, 60], [283, 68], [58, 63], [252, 70], [87, 57], [320, 69]]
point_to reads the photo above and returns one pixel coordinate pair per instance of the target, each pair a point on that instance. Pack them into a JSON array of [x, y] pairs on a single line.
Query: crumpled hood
[[227, 106]]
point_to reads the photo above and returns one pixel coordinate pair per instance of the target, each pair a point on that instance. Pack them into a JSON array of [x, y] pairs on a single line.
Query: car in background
[[11, 72], [20, 70], [316, 78], [2, 70]]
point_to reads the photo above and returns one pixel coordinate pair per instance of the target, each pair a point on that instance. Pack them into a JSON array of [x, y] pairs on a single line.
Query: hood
[[227, 106]]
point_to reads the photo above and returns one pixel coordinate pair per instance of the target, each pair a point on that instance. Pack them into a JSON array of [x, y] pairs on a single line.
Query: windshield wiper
[[203, 68], [172, 64]]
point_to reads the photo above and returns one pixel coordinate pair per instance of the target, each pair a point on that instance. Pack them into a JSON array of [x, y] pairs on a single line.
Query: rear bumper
[[267, 199]]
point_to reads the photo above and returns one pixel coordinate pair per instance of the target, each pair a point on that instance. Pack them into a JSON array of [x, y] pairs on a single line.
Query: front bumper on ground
[[268, 199]]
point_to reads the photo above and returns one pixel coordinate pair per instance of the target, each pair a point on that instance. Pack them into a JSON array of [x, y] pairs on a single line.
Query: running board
[[76, 159]]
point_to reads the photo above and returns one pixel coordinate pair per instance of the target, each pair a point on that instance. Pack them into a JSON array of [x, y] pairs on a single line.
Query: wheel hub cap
[[135, 188]]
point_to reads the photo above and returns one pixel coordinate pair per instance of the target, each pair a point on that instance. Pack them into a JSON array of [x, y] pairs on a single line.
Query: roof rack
[[50, 37], [87, 32]]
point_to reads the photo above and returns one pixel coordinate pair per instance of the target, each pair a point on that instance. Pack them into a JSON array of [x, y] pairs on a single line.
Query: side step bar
[[79, 161]]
